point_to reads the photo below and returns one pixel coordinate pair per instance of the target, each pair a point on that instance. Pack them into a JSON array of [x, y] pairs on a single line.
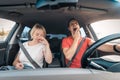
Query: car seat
[[63, 63], [55, 48]]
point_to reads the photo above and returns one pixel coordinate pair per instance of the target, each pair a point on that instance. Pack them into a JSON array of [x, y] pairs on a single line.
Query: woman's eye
[[37, 34]]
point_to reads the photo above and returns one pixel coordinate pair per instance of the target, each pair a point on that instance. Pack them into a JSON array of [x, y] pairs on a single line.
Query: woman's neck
[[33, 42]]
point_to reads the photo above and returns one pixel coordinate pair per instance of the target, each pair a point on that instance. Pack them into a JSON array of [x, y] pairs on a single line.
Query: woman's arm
[[48, 55], [18, 65], [46, 52], [16, 60]]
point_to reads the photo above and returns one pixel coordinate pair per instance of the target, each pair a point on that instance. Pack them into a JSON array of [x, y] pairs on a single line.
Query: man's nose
[[74, 24]]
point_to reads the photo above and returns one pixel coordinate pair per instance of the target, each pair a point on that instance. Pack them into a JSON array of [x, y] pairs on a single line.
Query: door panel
[[3, 48], [7, 29]]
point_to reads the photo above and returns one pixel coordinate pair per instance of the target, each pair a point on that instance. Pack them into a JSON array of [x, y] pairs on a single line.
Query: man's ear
[[69, 28], [68, 33]]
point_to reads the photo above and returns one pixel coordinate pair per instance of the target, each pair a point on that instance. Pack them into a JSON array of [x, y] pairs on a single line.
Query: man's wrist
[[115, 49]]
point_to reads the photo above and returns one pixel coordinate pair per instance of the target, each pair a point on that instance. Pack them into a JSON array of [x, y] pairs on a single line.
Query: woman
[[38, 48]]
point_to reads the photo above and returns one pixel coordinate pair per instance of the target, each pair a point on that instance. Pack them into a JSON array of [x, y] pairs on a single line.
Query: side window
[[106, 27], [5, 28], [82, 32], [25, 34]]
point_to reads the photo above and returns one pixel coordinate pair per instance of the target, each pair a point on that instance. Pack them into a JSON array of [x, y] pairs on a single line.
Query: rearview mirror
[[42, 3]]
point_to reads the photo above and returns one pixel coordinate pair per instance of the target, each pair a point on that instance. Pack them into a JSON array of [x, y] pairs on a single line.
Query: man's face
[[73, 26]]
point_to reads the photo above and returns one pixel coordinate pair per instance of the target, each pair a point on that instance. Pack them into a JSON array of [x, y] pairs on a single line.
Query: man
[[70, 44]]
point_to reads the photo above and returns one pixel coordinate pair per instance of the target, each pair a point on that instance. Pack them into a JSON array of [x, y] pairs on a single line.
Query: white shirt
[[35, 51]]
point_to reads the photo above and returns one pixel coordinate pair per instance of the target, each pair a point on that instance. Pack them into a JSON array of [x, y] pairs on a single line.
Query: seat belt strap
[[27, 55], [78, 48]]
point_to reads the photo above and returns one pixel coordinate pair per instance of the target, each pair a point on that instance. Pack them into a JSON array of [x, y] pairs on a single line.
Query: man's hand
[[76, 34]]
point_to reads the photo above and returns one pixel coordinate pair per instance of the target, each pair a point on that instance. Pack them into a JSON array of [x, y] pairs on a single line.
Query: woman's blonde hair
[[37, 26]]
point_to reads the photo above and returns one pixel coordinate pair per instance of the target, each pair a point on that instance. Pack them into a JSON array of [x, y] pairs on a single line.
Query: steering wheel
[[85, 61]]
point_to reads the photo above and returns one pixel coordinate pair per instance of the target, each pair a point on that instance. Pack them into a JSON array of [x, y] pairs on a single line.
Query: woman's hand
[[19, 66], [44, 41], [47, 52]]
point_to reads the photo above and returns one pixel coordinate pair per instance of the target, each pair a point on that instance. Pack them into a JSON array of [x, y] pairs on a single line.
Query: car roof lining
[[84, 11]]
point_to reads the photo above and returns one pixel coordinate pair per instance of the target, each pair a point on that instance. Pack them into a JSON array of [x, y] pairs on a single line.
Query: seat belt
[[27, 55], [78, 48]]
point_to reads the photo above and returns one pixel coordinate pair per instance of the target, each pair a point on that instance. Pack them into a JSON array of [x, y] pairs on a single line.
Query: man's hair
[[72, 19]]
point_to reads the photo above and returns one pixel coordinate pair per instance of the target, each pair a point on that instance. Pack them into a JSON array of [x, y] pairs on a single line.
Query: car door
[[6, 31]]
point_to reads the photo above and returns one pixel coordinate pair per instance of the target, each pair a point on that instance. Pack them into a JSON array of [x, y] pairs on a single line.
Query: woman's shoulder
[[25, 43]]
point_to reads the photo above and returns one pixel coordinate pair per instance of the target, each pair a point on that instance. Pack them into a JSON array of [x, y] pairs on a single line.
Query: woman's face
[[38, 34], [73, 25]]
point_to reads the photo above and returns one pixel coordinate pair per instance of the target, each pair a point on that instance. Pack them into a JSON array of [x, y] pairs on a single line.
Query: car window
[[5, 28], [82, 32], [25, 34], [106, 27]]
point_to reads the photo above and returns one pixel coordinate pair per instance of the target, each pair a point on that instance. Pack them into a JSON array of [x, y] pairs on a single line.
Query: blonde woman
[[38, 48]]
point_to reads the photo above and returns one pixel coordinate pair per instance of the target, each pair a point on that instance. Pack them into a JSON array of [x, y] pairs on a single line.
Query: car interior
[[54, 16]]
